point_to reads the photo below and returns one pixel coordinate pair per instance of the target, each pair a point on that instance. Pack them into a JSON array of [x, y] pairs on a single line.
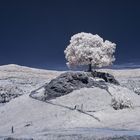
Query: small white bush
[[121, 102], [137, 90]]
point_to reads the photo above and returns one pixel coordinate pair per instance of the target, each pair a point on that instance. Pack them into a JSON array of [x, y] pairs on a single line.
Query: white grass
[[41, 117]]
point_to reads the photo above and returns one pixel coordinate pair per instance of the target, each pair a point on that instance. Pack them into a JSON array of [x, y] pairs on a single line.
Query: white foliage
[[120, 102], [86, 48]]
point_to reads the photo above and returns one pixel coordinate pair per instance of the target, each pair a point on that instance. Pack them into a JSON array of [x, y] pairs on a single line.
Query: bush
[[121, 102]]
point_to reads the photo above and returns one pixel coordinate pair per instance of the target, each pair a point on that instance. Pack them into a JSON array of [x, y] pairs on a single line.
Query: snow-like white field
[[18, 80], [55, 119]]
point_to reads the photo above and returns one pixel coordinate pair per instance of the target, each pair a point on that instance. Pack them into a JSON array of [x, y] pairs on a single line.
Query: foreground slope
[[33, 118]]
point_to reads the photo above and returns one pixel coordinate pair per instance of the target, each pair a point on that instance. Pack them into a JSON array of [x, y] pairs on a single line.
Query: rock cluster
[[106, 76], [69, 81]]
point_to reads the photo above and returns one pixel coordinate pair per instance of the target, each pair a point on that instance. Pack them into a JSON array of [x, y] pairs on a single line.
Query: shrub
[[121, 102]]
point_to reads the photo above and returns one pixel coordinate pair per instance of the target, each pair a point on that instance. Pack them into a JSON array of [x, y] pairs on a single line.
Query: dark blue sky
[[35, 33]]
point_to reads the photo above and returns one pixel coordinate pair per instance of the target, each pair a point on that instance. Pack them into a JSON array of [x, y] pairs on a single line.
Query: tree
[[89, 49]]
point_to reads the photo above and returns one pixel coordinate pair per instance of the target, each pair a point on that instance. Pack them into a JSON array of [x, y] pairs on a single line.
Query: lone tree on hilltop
[[91, 50]]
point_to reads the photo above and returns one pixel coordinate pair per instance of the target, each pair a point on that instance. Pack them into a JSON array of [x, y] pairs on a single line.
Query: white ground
[[16, 79], [36, 119]]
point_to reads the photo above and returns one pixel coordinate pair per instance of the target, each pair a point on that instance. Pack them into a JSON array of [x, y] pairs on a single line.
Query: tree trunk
[[90, 68]]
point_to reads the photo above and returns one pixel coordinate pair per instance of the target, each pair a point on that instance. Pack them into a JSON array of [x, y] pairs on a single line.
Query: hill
[[62, 118]]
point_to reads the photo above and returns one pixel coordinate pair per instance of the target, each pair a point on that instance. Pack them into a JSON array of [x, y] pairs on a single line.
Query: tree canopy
[[89, 49]]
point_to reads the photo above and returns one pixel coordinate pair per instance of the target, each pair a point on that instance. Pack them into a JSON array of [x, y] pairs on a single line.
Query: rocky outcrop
[[69, 81], [106, 76]]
